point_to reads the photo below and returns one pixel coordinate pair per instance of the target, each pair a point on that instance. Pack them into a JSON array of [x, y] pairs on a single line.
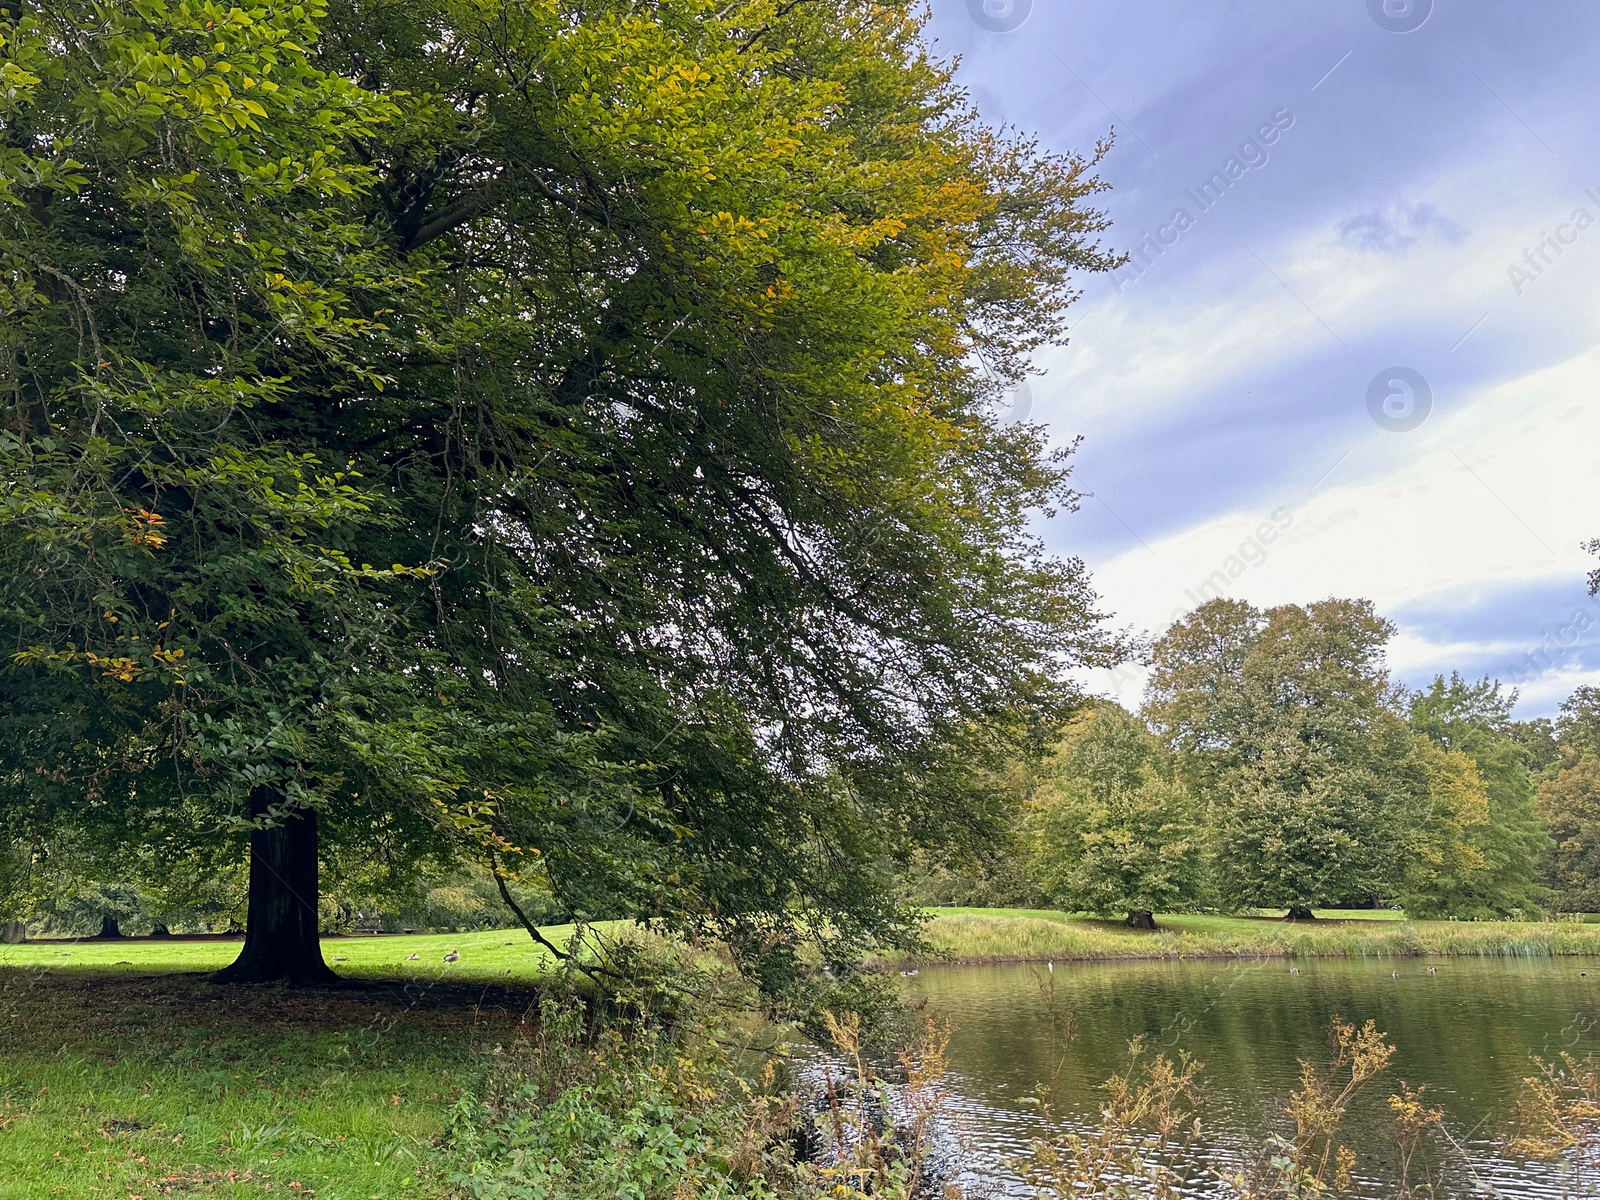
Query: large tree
[[561, 436], [187, 270], [1285, 725]]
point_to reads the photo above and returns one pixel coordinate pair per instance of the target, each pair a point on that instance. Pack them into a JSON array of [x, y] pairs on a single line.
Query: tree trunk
[[280, 939], [13, 933], [1298, 912], [1140, 918], [108, 929], [160, 931]]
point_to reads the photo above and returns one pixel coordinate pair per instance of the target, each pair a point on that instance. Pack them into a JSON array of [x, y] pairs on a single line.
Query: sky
[[1357, 349]]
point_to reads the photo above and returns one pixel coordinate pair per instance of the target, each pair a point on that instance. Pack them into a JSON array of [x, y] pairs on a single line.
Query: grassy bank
[[974, 935], [125, 1073]]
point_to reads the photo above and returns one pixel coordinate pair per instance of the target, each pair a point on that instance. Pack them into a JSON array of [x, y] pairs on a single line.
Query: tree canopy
[[563, 438], [1113, 828], [1284, 723], [1568, 800], [1505, 841]]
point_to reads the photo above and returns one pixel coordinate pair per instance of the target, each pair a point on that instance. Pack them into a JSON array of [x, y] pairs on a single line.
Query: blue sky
[[1376, 334]]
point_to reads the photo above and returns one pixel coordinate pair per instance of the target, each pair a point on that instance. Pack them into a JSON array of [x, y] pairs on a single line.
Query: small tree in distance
[[1570, 802], [1114, 830], [1474, 720]]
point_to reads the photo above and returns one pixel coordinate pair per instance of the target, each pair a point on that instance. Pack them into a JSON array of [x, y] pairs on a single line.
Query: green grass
[[124, 1073], [118, 1086], [1013, 935], [498, 955]]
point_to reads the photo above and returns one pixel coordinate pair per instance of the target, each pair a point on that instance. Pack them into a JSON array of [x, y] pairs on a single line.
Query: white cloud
[[1211, 317], [1491, 494]]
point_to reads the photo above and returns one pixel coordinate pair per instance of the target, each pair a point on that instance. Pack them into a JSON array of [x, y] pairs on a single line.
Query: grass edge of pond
[[977, 936]]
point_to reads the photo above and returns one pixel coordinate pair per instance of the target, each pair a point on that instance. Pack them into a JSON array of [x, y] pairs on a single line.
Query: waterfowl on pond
[[1433, 970], [1294, 970]]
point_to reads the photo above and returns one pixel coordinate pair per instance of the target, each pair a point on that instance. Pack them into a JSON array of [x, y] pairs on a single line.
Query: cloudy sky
[[1358, 349]]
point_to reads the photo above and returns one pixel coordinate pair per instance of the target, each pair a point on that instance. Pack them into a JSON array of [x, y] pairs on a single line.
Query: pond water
[[1468, 1032]]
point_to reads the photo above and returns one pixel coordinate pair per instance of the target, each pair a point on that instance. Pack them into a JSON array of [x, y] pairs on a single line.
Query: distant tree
[[1475, 719], [16, 885], [1113, 828], [1445, 867], [1569, 801], [92, 908], [1539, 743], [993, 871], [1285, 726], [1577, 728], [996, 878]]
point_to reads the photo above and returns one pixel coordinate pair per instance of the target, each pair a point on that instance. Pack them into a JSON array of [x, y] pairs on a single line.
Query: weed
[[1558, 1118], [1141, 1144]]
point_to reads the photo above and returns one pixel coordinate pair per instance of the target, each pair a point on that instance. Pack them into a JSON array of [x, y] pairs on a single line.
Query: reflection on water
[[1468, 1032]]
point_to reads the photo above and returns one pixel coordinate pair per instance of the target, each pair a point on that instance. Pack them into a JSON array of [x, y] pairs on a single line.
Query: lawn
[[123, 1073], [1014, 934], [497, 955], [118, 1086]]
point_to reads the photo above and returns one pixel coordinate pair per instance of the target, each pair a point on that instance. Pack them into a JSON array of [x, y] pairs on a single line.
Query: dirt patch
[[104, 1009]]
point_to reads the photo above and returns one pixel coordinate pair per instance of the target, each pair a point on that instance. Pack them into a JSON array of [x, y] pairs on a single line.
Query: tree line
[[1275, 765]]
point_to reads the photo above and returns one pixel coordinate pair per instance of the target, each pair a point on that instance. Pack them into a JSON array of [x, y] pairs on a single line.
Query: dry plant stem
[[1558, 1117], [1412, 1120], [925, 1065], [882, 1133], [1147, 1124], [1149, 1129], [1318, 1110]]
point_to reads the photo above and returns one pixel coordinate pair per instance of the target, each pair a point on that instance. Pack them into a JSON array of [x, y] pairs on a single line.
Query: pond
[[1467, 1031]]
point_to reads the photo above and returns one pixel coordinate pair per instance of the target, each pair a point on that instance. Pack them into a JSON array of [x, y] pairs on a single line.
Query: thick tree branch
[[480, 201], [446, 221]]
